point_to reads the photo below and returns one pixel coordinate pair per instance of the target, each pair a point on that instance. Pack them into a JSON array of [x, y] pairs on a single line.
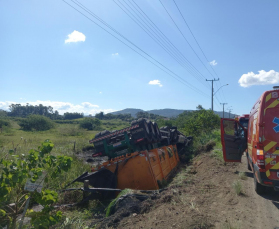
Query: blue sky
[[52, 54]]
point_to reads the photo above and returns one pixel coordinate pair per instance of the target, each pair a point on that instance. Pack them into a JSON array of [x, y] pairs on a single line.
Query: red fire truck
[[260, 138]]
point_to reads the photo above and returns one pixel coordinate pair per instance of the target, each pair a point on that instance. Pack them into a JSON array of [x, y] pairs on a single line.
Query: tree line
[[127, 117], [23, 111], [18, 110]]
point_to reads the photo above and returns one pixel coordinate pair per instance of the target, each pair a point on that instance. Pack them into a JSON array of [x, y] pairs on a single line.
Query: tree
[[198, 122], [90, 123], [4, 122], [18, 110], [3, 113], [100, 115], [36, 122], [74, 115]]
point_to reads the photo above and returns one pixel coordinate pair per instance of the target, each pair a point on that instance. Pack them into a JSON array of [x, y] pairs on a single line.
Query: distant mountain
[[168, 113], [132, 111], [226, 114]]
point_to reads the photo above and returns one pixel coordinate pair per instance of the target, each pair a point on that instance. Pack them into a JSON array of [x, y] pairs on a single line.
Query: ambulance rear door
[[234, 140]]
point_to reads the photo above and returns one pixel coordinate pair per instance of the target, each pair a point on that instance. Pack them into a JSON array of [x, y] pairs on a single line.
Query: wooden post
[[24, 212], [85, 186]]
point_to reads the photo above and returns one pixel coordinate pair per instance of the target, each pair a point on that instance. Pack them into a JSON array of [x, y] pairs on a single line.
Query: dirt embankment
[[202, 196]]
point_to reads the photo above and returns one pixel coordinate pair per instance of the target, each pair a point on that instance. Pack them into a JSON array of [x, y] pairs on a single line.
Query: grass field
[[68, 140]]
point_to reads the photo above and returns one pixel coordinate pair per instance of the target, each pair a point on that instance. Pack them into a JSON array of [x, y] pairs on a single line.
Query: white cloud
[[62, 107], [263, 78], [100, 92], [213, 63], [75, 36], [155, 82], [115, 54]]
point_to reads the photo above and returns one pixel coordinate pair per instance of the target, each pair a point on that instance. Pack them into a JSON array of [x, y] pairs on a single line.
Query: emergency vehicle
[[260, 141], [243, 120]]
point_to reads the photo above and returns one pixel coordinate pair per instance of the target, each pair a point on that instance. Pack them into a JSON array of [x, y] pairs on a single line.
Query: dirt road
[[202, 196], [263, 211]]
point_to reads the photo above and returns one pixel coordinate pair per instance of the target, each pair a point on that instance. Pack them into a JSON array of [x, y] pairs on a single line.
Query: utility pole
[[212, 91], [223, 108], [230, 113]]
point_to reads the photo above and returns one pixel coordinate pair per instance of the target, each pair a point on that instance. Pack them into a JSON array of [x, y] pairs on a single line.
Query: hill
[[132, 111], [167, 112]]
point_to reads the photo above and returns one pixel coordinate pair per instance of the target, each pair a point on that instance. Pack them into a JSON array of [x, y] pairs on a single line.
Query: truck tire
[[99, 146], [102, 133], [260, 189], [141, 132], [158, 133], [152, 132], [248, 164], [174, 136]]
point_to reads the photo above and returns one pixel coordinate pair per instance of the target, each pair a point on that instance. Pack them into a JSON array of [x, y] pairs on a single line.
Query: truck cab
[[260, 138]]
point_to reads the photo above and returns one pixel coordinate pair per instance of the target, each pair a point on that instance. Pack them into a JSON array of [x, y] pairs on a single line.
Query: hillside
[[167, 112], [132, 111]]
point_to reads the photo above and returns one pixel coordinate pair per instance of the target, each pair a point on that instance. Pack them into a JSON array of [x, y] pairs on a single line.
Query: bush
[[70, 130], [4, 122], [237, 187], [242, 176], [74, 115], [36, 122], [90, 123]]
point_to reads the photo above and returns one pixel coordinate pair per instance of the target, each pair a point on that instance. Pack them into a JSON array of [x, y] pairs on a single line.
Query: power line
[[198, 44], [157, 63], [138, 17], [193, 36], [185, 37]]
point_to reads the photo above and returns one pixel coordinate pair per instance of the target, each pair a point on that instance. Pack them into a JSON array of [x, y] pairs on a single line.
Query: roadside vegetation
[[202, 125], [26, 127], [237, 186]]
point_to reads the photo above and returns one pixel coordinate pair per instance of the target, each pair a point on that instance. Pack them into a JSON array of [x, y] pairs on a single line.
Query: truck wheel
[[152, 135], [143, 128], [248, 165], [260, 189], [158, 133]]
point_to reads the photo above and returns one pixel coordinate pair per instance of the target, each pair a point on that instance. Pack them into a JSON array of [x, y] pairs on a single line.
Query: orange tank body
[[144, 170]]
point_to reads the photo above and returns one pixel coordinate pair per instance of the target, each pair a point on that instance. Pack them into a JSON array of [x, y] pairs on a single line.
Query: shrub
[[74, 115], [90, 123], [70, 130], [33, 165], [242, 176], [4, 122], [237, 187], [36, 122]]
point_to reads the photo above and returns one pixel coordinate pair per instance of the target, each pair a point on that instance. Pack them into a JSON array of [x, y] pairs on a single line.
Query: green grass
[[242, 176], [237, 187], [76, 220], [113, 202], [114, 124], [229, 225], [64, 137]]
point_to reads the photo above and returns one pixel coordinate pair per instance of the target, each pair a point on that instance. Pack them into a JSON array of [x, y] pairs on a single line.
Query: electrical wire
[[162, 35], [198, 45], [154, 61], [154, 35], [184, 37]]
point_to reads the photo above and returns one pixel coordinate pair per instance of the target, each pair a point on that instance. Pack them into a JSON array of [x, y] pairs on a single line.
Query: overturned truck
[[140, 157]]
